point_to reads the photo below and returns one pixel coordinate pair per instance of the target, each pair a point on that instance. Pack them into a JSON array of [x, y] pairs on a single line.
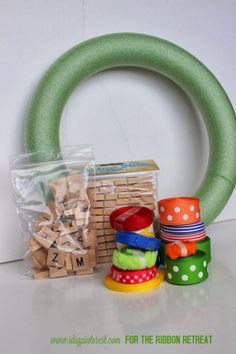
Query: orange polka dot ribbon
[[179, 211]]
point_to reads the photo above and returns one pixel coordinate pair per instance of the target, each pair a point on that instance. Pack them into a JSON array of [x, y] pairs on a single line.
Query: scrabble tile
[[66, 243], [56, 258], [85, 271], [98, 211], [59, 189], [92, 258], [40, 274], [68, 263], [108, 211], [57, 272], [99, 218], [124, 195], [100, 232], [33, 245], [106, 218], [89, 238], [46, 237], [75, 183], [80, 260]]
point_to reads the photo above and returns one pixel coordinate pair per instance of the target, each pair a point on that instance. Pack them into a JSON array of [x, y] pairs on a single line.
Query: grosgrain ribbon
[[183, 249]]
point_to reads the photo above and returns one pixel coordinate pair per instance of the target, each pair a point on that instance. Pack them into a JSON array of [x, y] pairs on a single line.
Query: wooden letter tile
[[56, 258], [46, 237], [80, 260]]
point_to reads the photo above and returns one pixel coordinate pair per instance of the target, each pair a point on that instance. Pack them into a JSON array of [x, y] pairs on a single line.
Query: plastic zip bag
[[54, 208]]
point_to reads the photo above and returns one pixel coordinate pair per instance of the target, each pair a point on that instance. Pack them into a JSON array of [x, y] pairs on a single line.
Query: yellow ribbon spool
[[135, 288]]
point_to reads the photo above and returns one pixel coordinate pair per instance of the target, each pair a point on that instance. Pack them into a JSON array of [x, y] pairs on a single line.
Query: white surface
[[34, 311], [127, 114]]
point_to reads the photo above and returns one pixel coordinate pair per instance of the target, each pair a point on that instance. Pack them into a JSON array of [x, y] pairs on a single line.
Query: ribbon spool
[[135, 288], [204, 246], [135, 240], [184, 229], [131, 259], [132, 276], [191, 238], [179, 211], [179, 249], [133, 218], [188, 270]]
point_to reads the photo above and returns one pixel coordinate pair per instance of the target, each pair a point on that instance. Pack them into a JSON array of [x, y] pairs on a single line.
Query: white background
[[127, 114]]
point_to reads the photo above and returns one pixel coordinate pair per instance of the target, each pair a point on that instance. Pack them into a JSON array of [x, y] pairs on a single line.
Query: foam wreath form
[[138, 50]]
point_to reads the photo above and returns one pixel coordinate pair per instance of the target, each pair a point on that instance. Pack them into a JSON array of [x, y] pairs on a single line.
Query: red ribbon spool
[[131, 218]]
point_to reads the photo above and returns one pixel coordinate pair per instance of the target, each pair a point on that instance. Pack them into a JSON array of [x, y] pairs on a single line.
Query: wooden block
[[46, 237], [100, 232], [121, 189], [106, 225], [109, 232], [68, 263], [99, 218], [99, 225], [111, 196], [80, 260], [106, 218], [124, 195], [110, 203], [110, 237], [124, 201], [102, 246], [99, 197], [34, 245], [85, 271], [150, 206], [57, 272], [98, 204], [75, 183], [59, 189], [102, 253], [139, 180], [92, 258], [101, 239], [106, 189], [93, 184], [56, 258], [66, 243], [40, 274], [140, 187], [108, 211], [106, 259], [107, 182], [111, 245], [120, 181], [98, 211]]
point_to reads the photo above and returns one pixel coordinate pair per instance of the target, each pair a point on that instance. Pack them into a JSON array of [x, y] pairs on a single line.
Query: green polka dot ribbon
[[132, 259], [187, 270], [204, 245]]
